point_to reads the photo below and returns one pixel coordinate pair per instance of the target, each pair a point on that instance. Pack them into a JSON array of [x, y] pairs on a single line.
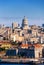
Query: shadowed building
[[11, 52]]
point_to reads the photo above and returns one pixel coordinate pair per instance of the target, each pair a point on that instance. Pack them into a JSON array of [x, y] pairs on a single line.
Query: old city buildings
[[31, 38]]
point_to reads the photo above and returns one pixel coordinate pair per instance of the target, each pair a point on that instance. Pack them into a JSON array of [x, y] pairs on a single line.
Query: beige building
[[39, 50], [34, 39], [34, 32], [16, 37], [14, 25]]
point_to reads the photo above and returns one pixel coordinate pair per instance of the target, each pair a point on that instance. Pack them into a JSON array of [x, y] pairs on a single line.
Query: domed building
[[25, 23]]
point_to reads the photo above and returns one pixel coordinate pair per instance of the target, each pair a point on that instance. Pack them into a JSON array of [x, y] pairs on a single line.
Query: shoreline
[[18, 63], [21, 61]]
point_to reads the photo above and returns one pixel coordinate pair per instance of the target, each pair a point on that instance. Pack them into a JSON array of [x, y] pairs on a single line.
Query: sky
[[15, 10]]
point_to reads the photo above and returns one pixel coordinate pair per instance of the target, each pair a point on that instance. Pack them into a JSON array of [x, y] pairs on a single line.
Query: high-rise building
[[43, 25]]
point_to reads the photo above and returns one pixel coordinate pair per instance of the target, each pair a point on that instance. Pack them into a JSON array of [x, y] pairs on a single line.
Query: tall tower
[[25, 23]]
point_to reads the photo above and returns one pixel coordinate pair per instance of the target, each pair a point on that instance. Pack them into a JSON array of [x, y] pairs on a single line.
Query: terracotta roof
[[4, 41], [24, 45], [37, 45], [30, 45]]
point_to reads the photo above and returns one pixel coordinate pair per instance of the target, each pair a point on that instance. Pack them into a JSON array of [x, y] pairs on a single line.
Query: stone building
[[25, 23]]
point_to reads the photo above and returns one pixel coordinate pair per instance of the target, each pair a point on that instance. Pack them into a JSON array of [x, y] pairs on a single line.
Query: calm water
[[20, 64], [14, 64]]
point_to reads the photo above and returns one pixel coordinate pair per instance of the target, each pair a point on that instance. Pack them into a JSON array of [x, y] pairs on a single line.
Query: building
[[34, 39], [43, 25], [5, 44], [25, 23], [11, 52], [14, 25], [16, 37], [28, 53], [1, 37], [32, 50]]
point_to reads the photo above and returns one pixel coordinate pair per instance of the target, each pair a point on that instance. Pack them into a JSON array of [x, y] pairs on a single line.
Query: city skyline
[[15, 10]]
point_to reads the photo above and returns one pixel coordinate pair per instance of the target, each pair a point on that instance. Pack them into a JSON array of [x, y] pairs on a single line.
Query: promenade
[[36, 60]]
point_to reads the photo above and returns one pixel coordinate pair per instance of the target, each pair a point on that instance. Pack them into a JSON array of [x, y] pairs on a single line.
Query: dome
[[24, 22]]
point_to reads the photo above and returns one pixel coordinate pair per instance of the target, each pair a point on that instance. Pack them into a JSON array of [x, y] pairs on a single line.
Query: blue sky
[[15, 10]]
